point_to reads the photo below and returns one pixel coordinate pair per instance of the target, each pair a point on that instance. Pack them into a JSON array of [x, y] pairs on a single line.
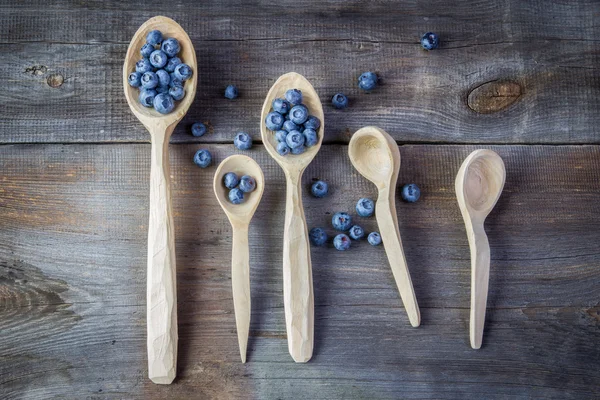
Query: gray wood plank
[[72, 281]]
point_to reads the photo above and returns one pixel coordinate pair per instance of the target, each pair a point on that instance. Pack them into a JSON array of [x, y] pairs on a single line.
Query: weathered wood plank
[[72, 281]]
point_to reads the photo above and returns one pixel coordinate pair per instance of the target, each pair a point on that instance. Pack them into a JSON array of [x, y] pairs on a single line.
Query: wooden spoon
[[297, 269], [161, 293], [479, 183], [375, 155], [239, 216]]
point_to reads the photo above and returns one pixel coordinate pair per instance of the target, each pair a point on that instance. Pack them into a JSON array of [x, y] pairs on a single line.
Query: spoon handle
[[161, 290], [240, 281], [297, 275], [480, 276], [385, 211]]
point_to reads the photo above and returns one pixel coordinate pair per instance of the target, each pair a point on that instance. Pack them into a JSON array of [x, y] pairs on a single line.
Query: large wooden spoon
[[297, 270], [161, 292], [239, 216], [479, 183], [375, 154]]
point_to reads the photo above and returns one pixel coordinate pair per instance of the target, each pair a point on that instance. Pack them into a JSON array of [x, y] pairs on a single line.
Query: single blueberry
[[170, 47], [283, 149], [146, 50], [231, 92], [172, 63], [339, 101], [163, 89], [298, 150], [236, 196], [411, 193], [183, 72], [177, 92], [295, 139], [146, 97], [356, 232], [317, 236], [175, 81], [281, 106], [135, 79], [374, 239], [154, 37], [163, 77], [312, 122], [294, 96], [310, 137], [198, 129], [430, 41], [202, 158], [149, 80], [367, 81], [299, 114], [341, 242], [242, 141], [281, 135], [365, 207], [290, 126], [319, 189], [163, 103], [341, 221], [231, 180], [247, 184], [158, 59], [274, 121], [143, 66]]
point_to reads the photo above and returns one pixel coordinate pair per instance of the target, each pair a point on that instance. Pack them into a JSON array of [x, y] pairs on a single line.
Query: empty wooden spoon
[[239, 216], [161, 289], [375, 154], [297, 270], [479, 183]]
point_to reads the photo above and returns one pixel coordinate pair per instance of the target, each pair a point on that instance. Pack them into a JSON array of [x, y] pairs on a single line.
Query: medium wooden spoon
[[297, 270], [375, 155], [239, 216], [161, 290], [479, 183]]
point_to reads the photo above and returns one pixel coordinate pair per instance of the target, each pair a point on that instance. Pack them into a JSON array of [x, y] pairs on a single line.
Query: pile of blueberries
[[294, 128], [160, 73], [238, 186]]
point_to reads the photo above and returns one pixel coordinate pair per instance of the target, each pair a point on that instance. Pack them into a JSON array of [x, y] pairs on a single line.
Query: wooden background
[[74, 167]]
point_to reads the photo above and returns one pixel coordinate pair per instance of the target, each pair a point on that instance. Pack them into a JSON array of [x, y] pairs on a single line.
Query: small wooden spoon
[[297, 270], [375, 154], [161, 293], [239, 216], [479, 183]]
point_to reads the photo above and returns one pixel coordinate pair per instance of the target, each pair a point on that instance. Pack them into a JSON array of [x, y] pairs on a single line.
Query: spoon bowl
[[372, 155]]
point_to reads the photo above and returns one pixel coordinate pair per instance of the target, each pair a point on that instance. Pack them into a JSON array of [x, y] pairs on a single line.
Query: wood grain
[[72, 280]]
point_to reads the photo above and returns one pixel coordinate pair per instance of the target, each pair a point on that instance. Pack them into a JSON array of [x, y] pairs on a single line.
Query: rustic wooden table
[[74, 167]]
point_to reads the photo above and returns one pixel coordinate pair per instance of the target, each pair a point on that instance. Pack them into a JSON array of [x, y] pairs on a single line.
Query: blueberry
[[299, 114], [430, 41], [242, 141], [356, 232], [367, 81], [146, 97], [295, 139], [146, 50], [374, 239], [317, 236], [163, 89], [294, 96], [177, 92], [341, 242], [149, 80], [134, 79], [310, 137], [170, 47], [281, 106], [281, 135], [143, 66], [274, 121], [231, 180], [175, 81], [202, 158], [163, 103], [365, 207], [198, 129], [154, 37], [290, 126], [172, 63], [231, 92], [341, 221], [158, 58], [298, 150], [312, 122], [339, 101], [411, 193], [283, 149], [163, 77], [236, 196], [319, 189], [247, 184], [183, 72]]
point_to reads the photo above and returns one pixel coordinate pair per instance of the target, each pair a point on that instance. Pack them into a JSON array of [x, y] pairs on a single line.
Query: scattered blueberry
[[198, 129], [411, 193], [163, 103], [374, 239], [231, 180], [283, 149], [247, 184], [317, 236], [339, 101], [367, 81], [154, 37], [146, 50], [158, 59], [172, 63], [319, 189], [134, 79], [236, 196], [143, 66], [290, 126], [341, 242], [146, 97], [170, 47], [149, 80], [163, 77], [242, 141], [430, 41], [281, 135], [274, 121], [177, 92], [183, 72], [281, 106], [299, 114], [294, 96], [365, 207], [312, 122], [356, 232], [298, 150], [341, 221], [295, 139], [202, 158], [231, 92], [310, 137]]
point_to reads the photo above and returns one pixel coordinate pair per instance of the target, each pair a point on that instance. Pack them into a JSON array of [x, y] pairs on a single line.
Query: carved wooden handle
[[480, 277], [240, 281]]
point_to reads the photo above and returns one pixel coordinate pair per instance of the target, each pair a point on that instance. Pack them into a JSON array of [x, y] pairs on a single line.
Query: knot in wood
[[493, 96]]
